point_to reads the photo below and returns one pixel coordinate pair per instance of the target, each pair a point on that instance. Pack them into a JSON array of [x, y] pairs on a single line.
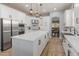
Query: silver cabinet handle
[[39, 42], [69, 45], [45, 36]]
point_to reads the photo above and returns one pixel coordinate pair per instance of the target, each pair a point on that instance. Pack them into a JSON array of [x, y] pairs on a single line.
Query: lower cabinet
[[41, 44], [22, 47], [65, 46], [72, 52], [69, 50]]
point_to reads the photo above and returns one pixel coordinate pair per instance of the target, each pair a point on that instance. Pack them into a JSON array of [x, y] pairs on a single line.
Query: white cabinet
[[13, 14], [21, 17], [8, 12], [69, 17], [69, 49], [65, 46], [4, 11], [17, 15], [42, 43], [72, 52], [28, 20], [76, 15], [29, 44], [45, 23]]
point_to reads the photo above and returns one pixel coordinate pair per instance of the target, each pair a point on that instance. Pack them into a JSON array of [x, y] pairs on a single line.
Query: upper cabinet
[[10, 13], [69, 17], [17, 15], [45, 23], [4, 11], [76, 17], [76, 14]]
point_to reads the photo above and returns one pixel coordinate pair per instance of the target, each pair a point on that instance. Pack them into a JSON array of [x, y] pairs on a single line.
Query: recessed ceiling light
[[41, 4], [26, 5], [55, 8]]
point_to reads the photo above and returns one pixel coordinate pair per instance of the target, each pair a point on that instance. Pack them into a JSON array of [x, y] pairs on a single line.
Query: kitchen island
[[31, 43]]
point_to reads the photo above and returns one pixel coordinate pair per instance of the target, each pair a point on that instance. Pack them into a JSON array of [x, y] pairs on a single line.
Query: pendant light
[[40, 11], [31, 10], [37, 11]]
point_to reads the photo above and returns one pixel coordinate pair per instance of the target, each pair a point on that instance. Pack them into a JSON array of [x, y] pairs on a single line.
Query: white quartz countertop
[[30, 35], [74, 41]]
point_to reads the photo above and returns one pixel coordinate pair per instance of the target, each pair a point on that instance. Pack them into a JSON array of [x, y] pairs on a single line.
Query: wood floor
[[53, 48]]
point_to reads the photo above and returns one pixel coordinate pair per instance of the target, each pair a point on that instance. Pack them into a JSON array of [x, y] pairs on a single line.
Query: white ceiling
[[45, 8]]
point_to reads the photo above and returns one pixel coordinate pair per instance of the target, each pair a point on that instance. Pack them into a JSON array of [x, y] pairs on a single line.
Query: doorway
[[55, 26]]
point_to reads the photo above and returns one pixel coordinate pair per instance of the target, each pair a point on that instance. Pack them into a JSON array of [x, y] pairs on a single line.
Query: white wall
[[59, 14]]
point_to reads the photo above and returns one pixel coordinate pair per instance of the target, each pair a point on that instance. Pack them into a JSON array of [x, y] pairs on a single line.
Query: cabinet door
[[14, 13], [5, 11], [42, 43], [73, 52], [69, 21], [65, 46], [17, 15], [21, 17], [76, 15]]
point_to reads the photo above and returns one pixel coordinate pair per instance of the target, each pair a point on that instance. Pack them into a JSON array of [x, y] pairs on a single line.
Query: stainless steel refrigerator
[[5, 37], [15, 27], [8, 28]]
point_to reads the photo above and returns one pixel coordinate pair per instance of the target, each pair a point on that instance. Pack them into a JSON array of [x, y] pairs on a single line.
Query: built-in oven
[[21, 28]]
